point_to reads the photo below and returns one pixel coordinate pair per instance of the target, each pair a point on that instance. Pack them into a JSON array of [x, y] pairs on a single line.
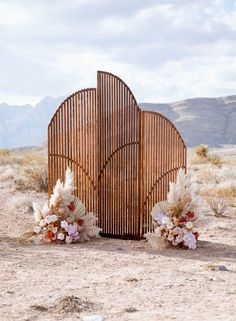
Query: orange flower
[[50, 235]]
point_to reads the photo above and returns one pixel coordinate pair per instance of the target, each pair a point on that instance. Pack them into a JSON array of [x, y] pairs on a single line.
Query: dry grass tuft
[[215, 160], [200, 156], [4, 152], [218, 206], [68, 304], [38, 177]]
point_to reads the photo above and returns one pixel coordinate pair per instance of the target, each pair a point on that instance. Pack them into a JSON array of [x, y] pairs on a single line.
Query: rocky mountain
[[200, 120], [26, 125]]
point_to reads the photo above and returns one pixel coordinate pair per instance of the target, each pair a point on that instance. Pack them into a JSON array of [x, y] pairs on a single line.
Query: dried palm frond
[[160, 207], [79, 210]]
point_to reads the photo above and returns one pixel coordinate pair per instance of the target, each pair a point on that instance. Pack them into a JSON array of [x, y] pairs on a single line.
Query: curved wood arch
[[72, 142], [79, 166], [113, 154], [123, 158], [119, 118], [163, 153], [157, 182]]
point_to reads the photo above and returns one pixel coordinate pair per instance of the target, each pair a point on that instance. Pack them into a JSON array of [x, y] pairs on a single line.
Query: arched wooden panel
[[73, 142], [163, 153], [119, 135], [123, 158]]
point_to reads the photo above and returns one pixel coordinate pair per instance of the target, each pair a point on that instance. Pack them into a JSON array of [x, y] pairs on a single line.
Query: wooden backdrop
[[123, 158]]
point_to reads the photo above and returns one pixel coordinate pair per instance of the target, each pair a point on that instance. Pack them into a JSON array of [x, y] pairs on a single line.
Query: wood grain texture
[[72, 141], [118, 160], [123, 158], [163, 154]]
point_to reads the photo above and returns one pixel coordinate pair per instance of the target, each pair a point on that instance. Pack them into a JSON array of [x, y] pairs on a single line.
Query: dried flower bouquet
[[177, 220], [65, 219]]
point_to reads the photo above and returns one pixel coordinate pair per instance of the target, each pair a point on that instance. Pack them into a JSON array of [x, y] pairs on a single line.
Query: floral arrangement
[[176, 220], [65, 219]]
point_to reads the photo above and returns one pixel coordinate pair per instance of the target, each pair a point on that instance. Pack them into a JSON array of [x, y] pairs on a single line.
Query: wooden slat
[[163, 153], [122, 158]]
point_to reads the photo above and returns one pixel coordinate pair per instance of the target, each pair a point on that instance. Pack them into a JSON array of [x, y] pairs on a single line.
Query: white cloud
[[164, 50]]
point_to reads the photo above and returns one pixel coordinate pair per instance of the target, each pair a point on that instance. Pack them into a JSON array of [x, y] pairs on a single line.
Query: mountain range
[[200, 120]]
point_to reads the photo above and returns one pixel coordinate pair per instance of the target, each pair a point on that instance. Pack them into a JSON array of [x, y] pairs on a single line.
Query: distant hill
[[26, 125], [200, 120]]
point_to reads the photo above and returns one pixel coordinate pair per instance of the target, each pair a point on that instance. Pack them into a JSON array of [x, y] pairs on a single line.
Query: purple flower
[[73, 232], [190, 240], [158, 217], [176, 230]]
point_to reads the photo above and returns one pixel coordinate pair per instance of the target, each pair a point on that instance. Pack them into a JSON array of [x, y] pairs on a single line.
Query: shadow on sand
[[206, 251]]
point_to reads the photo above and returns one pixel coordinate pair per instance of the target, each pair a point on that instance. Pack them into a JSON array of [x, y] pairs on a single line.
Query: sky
[[164, 50]]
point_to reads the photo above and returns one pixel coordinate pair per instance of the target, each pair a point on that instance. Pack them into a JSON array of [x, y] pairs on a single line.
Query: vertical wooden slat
[[123, 159]]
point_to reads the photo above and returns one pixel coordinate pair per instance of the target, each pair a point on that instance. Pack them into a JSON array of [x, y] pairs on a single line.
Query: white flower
[[165, 220], [54, 230], [54, 218], [189, 225], [60, 236], [68, 239], [37, 229], [42, 223], [64, 225], [170, 225], [51, 219]]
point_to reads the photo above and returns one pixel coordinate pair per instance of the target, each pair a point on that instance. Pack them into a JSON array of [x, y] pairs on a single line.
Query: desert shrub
[[38, 177], [201, 151], [200, 154], [4, 152], [32, 170], [215, 160], [218, 205], [33, 177], [4, 156], [7, 172]]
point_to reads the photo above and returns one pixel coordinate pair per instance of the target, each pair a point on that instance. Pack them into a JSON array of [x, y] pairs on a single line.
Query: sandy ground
[[119, 280]]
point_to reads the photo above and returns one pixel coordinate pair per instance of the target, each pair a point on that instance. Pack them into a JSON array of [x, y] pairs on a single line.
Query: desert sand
[[113, 279]]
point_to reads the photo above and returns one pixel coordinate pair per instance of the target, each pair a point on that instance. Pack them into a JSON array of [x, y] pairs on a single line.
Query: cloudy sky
[[165, 50]]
